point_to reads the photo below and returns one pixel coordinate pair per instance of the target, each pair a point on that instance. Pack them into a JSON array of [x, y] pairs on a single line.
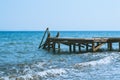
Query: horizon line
[[52, 30]]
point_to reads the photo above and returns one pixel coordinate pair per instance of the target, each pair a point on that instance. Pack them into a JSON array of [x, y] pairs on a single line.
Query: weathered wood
[[58, 34], [70, 48], [47, 41], [93, 46], [51, 42], [43, 37], [58, 47], [119, 46], [54, 46], [79, 47], [97, 47], [48, 45], [87, 44], [87, 47], [74, 48], [109, 46], [97, 43]]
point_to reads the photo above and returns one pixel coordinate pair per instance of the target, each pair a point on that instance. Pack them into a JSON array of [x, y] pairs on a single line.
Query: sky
[[80, 15]]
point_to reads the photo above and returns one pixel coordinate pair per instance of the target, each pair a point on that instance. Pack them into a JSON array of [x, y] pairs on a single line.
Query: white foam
[[43, 74], [40, 64], [105, 60], [27, 76], [46, 73], [51, 72]]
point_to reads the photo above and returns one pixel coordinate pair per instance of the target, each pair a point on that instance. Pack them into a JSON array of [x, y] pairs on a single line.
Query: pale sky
[[60, 15]]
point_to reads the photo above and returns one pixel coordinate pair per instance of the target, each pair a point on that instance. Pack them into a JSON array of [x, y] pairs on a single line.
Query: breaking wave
[[37, 75], [105, 60]]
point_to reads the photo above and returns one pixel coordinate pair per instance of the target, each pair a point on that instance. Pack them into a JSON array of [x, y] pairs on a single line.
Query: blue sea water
[[20, 58]]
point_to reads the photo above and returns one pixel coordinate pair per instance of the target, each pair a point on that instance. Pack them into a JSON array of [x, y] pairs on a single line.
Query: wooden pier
[[89, 44]]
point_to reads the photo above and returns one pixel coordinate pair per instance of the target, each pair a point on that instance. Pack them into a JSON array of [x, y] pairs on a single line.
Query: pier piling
[[70, 48], [79, 47], [74, 48], [86, 47]]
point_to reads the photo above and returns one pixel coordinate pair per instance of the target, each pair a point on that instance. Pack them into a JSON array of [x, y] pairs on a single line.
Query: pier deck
[[89, 44]]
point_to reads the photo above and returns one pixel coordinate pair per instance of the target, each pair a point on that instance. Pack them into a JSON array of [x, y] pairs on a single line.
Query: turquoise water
[[20, 58]]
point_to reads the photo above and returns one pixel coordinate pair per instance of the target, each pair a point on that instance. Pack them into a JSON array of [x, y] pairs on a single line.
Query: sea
[[20, 58]]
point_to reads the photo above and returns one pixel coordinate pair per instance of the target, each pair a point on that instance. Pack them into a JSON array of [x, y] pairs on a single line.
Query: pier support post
[[93, 46], [58, 47], [79, 47], [54, 47], [74, 48], [70, 48], [48, 45], [86, 47], [44, 46], [110, 46], [97, 43], [119, 46]]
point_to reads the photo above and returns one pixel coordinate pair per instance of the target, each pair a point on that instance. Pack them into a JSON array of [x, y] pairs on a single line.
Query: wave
[[105, 60], [37, 75]]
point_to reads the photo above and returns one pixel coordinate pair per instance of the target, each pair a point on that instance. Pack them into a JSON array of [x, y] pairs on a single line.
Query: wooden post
[[97, 43], [44, 46], [110, 46], [119, 46], [58, 47], [58, 34], [43, 37], [46, 42], [53, 46], [79, 47], [93, 46], [48, 45], [86, 47], [70, 47], [74, 48]]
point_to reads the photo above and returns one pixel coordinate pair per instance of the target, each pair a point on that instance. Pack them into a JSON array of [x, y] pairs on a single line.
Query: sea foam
[[38, 75], [105, 60]]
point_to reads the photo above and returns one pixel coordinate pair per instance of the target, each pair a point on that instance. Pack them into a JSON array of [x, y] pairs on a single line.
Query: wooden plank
[[98, 47], [46, 42], [65, 43], [87, 44], [79, 40], [43, 37], [100, 39]]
